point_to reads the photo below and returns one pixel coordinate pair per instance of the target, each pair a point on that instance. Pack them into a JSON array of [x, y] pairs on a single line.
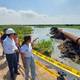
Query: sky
[[39, 11]]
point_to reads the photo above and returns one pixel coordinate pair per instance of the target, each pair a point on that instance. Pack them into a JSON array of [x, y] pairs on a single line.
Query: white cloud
[[9, 16]]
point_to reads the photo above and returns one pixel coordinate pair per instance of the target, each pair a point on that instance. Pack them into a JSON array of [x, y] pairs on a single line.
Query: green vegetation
[[69, 26], [60, 26], [76, 26], [44, 47], [21, 30]]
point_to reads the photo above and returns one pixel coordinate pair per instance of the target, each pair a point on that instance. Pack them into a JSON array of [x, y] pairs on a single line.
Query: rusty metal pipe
[[71, 36]]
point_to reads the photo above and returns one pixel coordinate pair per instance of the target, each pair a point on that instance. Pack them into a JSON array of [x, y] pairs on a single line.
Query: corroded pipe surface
[[60, 34], [71, 36]]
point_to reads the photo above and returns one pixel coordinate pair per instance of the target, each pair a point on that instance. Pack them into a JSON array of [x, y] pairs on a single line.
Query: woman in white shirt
[[27, 57]]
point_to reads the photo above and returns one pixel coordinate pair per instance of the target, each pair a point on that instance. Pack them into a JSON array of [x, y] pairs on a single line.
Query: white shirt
[[26, 50], [9, 46]]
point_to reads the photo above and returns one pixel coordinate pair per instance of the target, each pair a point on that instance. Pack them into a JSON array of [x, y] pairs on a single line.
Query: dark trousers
[[12, 64], [17, 54]]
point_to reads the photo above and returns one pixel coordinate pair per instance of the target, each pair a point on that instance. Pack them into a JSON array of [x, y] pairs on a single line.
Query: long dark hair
[[26, 38]]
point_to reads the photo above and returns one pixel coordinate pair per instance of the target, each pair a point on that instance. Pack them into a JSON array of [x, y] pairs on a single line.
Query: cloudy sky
[[39, 11]]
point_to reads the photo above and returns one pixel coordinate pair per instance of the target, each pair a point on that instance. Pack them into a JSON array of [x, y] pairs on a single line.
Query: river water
[[42, 33]]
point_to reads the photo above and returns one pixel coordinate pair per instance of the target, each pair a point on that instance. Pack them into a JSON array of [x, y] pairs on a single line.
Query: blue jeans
[[12, 64], [29, 65]]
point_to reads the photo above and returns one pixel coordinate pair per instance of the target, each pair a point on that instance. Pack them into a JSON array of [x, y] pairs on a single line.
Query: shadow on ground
[[7, 76], [1, 57], [3, 65]]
